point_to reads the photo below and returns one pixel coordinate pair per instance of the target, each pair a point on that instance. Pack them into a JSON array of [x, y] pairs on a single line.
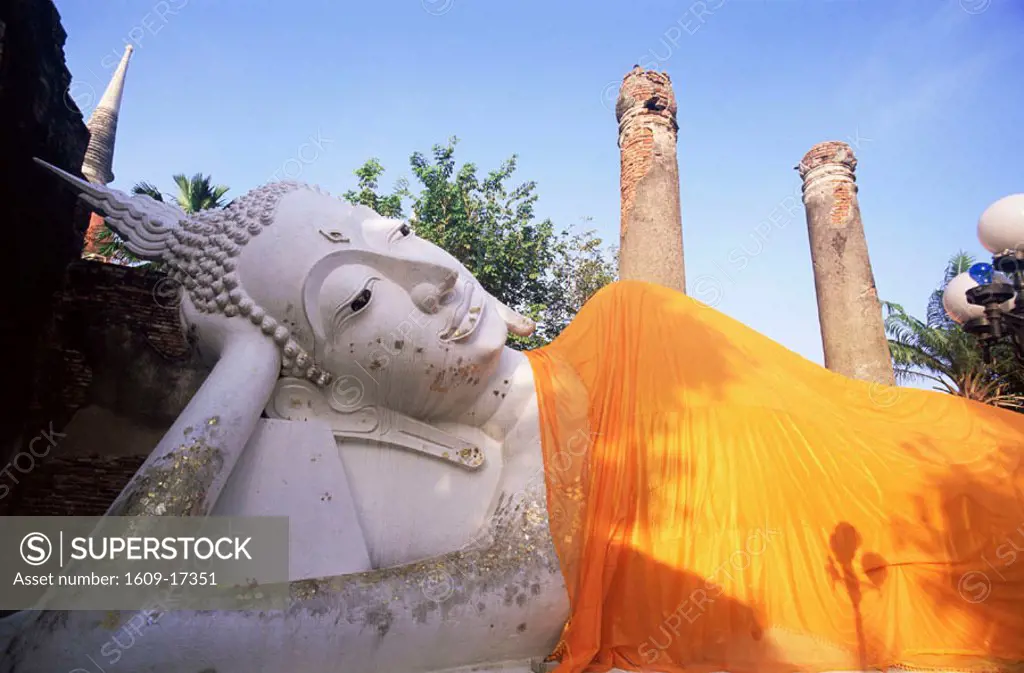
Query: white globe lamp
[[1001, 226], [988, 299]]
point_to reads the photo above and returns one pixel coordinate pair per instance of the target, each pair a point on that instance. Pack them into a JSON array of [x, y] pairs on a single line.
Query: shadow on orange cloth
[[719, 503]]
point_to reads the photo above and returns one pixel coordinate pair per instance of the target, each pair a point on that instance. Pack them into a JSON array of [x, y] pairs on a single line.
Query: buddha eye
[[361, 300], [348, 308], [334, 236], [402, 231]]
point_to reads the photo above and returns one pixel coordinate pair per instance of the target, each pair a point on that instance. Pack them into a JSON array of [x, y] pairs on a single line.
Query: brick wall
[[114, 346], [73, 486]]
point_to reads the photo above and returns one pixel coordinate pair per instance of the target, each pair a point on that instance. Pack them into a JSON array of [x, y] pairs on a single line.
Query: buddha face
[[395, 319], [371, 303]]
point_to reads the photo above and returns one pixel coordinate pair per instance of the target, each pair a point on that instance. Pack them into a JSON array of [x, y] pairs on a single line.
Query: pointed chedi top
[[98, 166]]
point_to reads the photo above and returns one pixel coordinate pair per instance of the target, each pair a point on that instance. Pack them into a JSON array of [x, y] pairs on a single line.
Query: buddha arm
[[187, 470]]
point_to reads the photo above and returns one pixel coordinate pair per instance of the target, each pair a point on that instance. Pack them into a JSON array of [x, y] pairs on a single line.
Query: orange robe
[[719, 503]]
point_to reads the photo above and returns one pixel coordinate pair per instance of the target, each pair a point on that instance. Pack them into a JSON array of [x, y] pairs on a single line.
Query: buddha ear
[[517, 323]]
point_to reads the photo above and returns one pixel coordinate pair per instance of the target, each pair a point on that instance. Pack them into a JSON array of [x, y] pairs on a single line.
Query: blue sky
[[928, 92]]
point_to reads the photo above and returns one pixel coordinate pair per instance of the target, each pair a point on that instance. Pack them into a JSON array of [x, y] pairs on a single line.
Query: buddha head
[[341, 291]]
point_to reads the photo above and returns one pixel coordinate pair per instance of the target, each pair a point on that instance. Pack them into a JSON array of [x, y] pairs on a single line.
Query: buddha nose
[[431, 295], [447, 283]]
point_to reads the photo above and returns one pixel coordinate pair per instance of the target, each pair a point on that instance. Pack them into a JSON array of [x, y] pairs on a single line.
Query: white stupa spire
[[98, 166]]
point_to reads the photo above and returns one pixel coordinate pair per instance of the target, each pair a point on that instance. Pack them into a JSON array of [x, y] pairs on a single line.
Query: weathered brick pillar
[[91, 244], [850, 314], [651, 238]]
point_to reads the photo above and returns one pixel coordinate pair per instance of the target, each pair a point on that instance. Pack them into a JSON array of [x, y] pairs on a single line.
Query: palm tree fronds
[[147, 189], [936, 312], [198, 193]]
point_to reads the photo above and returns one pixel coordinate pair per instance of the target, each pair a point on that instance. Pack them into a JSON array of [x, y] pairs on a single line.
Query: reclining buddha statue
[[659, 489]]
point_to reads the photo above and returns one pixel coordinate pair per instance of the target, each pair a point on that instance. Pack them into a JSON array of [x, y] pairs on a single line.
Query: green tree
[[369, 182], [488, 224], [582, 266], [938, 349]]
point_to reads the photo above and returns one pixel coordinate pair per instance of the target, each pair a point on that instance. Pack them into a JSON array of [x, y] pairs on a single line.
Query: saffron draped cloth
[[719, 503]]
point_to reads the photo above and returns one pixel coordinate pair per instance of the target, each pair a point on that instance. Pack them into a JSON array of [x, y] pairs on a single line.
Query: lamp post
[[988, 299]]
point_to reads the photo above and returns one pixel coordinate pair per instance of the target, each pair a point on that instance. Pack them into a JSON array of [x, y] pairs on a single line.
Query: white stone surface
[[294, 470]]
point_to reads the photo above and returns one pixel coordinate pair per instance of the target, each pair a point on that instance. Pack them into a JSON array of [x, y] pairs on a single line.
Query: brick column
[[91, 246], [651, 238], [850, 314]]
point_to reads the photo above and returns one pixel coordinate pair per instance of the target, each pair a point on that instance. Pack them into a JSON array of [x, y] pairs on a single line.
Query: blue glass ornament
[[981, 273]]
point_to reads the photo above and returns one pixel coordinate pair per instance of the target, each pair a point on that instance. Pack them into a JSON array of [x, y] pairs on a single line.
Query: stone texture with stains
[[850, 314], [419, 616], [175, 485], [651, 237]]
